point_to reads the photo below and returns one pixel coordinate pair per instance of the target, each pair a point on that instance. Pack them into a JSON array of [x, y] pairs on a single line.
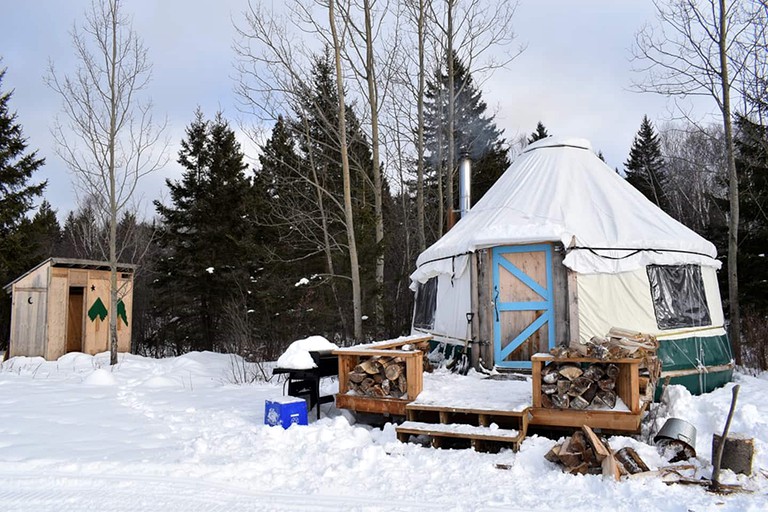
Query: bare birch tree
[[703, 48], [109, 139], [469, 29], [350, 224]]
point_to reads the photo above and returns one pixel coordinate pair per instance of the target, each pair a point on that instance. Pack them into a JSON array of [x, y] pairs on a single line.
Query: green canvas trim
[[692, 352], [97, 310]]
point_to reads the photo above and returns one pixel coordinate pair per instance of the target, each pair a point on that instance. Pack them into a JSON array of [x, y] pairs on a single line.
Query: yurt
[[562, 249]]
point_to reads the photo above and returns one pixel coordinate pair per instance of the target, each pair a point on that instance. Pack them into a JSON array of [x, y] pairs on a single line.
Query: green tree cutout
[[99, 310]]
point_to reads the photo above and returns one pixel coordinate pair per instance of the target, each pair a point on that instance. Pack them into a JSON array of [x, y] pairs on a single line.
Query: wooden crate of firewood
[[586, 391], [381, 378]]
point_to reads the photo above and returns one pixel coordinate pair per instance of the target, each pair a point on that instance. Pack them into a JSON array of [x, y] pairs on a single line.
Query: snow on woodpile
[[297, 357]]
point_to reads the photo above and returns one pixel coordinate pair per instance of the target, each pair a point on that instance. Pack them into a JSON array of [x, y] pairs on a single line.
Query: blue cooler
[[285, 411]]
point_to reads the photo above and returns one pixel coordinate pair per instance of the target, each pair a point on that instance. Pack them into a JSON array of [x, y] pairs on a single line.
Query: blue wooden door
[[523, 304]]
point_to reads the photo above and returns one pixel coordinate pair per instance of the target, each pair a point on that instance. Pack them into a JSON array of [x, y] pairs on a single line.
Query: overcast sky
[[575, 74]]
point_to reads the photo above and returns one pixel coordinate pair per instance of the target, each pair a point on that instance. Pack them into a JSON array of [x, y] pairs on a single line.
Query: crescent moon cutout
[[29, 300]]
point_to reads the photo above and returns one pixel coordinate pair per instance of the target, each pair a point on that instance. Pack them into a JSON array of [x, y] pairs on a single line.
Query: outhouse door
[[523, 304]]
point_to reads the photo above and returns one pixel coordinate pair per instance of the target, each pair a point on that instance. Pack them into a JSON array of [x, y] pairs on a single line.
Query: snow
[[296, 356], [181, 434]]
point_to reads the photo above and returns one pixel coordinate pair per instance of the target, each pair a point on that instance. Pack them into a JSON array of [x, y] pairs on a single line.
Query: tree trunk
[[324, 222], [733, 193], [451, 157], [112, 193], [420, 135], [373, 102], [349, 219]]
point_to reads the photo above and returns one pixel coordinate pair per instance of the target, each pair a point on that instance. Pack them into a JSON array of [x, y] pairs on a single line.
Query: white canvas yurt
[[561, 249]]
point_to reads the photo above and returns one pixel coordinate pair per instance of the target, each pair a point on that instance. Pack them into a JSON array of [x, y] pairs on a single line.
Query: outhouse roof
[[72, 263]]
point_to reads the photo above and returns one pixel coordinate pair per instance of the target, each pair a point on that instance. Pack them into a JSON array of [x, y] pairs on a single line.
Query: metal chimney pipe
[[465, 183]]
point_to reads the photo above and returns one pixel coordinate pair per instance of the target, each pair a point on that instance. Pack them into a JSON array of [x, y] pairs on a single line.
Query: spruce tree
[[752, 165], [475, 132], [207, 239], [17, 195], [43, 234], [645, 165], [539, 133]]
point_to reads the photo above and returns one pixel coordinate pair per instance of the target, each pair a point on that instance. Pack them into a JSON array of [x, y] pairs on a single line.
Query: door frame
[[547, 305]]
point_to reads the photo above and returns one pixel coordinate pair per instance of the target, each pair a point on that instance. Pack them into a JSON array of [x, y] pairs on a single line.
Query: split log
[[607, 383], [589, 394], [553, 454], [370, 366], [594, 372], [393, 371], [631, 461], [579, 385], [380, 377], [570, 372], [610, 468], [571, 386], [605, 398], [549, 374], [568, 457], [578, 402], [560, 401], [601, 451], [549, 389]]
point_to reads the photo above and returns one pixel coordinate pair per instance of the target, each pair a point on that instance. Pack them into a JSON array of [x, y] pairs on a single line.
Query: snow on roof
[[558, 190]]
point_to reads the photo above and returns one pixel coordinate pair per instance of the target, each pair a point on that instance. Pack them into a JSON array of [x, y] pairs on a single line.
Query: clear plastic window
[[426, 303], [678, 296]]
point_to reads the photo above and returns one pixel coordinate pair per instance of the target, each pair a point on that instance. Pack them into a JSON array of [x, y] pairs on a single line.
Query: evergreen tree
[[207, 238], [645, 166], [752, 165], [539, 133], [16, 199], [475, 132], [43, 233], [300, 166]]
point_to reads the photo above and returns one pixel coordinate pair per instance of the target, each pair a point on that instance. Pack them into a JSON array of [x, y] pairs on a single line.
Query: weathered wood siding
[[58, 291], [28, 318]]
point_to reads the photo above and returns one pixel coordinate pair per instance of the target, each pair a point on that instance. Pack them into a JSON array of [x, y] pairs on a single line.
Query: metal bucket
[[679, 434]]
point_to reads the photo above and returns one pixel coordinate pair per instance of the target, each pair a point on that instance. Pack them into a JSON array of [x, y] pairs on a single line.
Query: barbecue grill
[[305, 383]]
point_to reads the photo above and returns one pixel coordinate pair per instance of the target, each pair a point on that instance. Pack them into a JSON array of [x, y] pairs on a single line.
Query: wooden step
[[475, 434], [463, 410]]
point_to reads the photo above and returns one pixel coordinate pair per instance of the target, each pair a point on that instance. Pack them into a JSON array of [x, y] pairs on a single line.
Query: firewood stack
[[585, 453], [568, 386], [380, 376]]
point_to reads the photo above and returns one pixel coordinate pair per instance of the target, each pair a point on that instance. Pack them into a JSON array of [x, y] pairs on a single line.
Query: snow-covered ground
[[179, 434]]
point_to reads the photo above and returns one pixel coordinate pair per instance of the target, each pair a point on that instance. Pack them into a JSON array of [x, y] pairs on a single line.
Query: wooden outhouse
[[61, 306]]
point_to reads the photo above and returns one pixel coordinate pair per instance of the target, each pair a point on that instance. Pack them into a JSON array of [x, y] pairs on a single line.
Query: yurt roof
[[558, 190]]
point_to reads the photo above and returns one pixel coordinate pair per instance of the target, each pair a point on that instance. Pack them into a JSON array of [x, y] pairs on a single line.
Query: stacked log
[[585, 453], [569, 386], [380, 377]]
